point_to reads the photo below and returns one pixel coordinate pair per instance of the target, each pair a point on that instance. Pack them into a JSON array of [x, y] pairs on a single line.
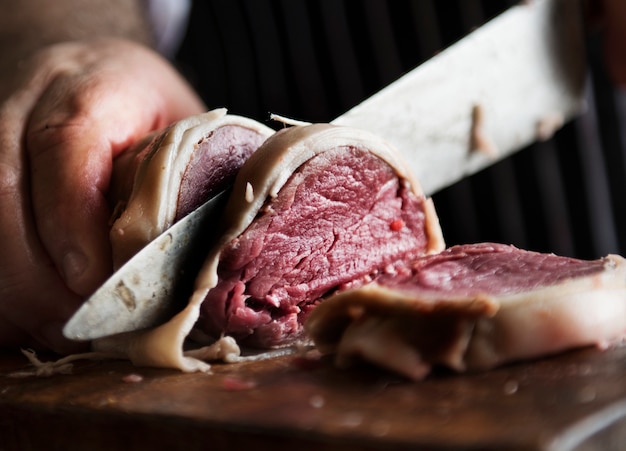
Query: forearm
[[28, 25]]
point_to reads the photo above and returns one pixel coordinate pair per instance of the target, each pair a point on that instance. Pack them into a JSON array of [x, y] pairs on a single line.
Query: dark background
[[313, 60]]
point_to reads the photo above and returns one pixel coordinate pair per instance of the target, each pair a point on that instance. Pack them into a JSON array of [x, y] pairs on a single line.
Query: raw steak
[[174, 171], [314, 210], [317, 209], [474, 307]]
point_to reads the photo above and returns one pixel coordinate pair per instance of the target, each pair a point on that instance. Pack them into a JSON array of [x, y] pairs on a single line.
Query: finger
[[33, 298], [69, 182], [70, 149]]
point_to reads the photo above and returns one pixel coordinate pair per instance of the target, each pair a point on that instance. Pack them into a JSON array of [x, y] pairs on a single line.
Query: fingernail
[[74, 265]]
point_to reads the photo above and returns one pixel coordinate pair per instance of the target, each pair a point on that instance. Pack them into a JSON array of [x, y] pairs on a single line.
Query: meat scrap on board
[[475, 307]]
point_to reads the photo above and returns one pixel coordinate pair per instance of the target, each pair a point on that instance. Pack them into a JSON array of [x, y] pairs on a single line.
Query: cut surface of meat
[[488, 269], [174, 171], [474, 307], [330, 225], [342, 214], [214, 165]]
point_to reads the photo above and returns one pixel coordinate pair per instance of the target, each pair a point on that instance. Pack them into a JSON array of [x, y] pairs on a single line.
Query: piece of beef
[[315, 210], [174, 171], [474, 307], [160, 180]]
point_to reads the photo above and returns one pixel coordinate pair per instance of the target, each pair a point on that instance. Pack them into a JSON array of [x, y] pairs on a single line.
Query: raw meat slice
[[474, 307], [316, 209], [172, 172]]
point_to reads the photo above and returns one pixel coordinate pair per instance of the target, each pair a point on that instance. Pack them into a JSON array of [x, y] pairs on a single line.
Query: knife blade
[[149, 288], [511, 82], [507, 82]]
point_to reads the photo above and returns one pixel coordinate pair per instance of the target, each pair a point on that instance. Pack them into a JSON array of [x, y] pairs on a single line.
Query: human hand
[[65, 114]]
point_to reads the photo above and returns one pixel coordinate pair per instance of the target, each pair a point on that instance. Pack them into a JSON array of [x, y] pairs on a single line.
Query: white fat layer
[[540, 327], [162, 346], [375, 339], [287, 120]]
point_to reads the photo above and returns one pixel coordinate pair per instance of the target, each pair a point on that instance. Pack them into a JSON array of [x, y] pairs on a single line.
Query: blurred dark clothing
[[314, 59]]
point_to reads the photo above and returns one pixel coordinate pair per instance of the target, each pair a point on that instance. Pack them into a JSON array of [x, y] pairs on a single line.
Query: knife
[[144, 291], [511, 82]]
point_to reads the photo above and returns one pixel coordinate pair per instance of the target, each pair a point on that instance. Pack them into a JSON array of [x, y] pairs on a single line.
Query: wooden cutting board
[[574, 401]]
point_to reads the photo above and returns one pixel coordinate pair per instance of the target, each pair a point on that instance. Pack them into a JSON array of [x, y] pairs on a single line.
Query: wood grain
[[574, 401]]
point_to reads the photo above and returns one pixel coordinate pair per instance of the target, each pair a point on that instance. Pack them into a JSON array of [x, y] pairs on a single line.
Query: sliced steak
[[173, 172], [474, 307], [317, 209]]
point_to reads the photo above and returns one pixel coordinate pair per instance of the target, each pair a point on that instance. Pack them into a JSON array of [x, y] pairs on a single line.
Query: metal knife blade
[[149, 288], [508, 83]]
